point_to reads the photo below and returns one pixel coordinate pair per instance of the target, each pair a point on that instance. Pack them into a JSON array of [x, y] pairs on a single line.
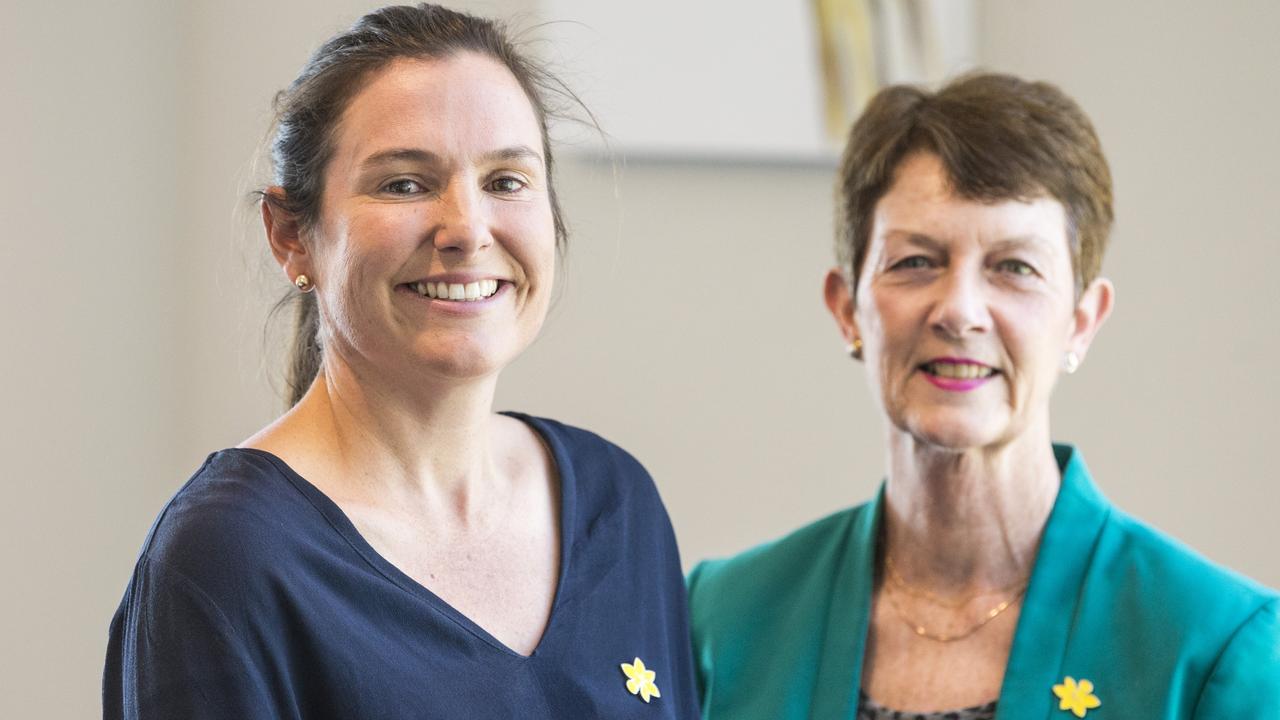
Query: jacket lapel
[[1051, 605], [839, 676]]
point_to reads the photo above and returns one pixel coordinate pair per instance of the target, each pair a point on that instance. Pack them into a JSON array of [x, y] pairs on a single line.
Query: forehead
[[921, 201], [458, 106]]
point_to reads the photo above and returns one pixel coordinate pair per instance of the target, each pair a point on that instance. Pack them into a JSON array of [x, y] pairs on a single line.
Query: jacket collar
[[1044, 625]]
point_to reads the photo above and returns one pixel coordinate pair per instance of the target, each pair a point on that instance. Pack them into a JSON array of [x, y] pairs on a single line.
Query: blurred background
[[136, 286]]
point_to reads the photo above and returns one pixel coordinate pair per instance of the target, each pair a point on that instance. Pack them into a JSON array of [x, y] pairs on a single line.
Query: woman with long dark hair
[[390, 547]]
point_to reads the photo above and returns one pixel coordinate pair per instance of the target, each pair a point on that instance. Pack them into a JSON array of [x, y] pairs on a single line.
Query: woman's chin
[[460, 366], [466, 353], [459, 360], [954, 433]]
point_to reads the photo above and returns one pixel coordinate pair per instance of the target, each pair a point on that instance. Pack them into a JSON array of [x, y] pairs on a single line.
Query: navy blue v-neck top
[[255, 597]]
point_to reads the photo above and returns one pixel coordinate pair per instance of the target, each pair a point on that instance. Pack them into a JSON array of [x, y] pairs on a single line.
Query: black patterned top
[[869, 710]]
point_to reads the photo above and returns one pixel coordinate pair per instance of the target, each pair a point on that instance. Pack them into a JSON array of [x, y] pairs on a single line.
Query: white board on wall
[[707, 78], [719, 79]]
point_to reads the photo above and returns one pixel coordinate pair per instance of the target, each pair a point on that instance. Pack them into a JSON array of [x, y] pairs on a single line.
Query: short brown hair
[[999, 138]]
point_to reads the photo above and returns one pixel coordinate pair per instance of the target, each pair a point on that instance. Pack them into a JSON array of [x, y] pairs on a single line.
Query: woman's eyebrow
[[915, 238], [1031, 242], [515, 152], [390, 155], [426, 157], [1020, 242]]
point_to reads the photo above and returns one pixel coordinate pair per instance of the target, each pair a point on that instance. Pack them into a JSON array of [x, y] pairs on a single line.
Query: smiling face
[[965, 309], [435, 244]]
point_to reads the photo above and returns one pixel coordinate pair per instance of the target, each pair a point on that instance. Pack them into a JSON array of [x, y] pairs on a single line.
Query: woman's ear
[[1092, 310], [839, 298], [284, 235]]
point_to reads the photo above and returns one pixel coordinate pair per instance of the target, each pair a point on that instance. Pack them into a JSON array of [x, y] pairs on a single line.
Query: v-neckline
[[341, 523]]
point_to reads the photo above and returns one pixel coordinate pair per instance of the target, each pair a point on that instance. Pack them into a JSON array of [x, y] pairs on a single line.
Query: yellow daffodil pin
[[640, 680], [1076, 697]]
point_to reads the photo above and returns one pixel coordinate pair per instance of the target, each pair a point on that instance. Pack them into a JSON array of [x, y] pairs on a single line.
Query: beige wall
[[89, 306], [689, 329], [1177, 408]]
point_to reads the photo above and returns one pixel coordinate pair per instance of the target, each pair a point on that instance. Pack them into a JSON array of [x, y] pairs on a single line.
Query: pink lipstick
[[957, 384], [957, 374]]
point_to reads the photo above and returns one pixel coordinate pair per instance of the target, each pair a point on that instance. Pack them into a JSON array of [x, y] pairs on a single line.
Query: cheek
[[534, 242], [889, 337], [385, 230], [359, 268], [894, 325], [1035, 343]]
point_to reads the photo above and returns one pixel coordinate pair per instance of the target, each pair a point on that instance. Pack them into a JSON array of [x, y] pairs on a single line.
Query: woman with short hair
[[390, 547], [989, 577]]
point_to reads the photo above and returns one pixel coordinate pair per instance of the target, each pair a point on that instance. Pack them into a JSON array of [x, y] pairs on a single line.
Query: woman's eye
[[507, 184], [1017, 267], [403, 186], [915, 262]]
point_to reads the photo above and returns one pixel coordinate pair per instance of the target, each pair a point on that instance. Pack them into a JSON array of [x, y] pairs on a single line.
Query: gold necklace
[[896, 578], [922, 631]]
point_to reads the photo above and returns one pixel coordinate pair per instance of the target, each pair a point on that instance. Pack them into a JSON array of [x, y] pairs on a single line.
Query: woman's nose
[[961, 307], [462, 226]]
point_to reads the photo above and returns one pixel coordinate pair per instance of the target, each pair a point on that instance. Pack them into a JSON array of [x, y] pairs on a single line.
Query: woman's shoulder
[[1130, 563], [757, 578], [1191, 586], [606, 484], [600, 471], [236, 510], [581, 445], [1148, 597]]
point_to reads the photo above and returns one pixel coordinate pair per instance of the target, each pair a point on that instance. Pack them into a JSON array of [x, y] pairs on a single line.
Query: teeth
[[959, 371], [468, 292]]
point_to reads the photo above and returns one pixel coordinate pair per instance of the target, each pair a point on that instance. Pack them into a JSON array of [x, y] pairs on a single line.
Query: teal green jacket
[[778, 631]]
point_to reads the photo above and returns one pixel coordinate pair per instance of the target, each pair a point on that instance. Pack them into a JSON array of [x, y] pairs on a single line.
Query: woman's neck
[[967, 522], [426, 445]]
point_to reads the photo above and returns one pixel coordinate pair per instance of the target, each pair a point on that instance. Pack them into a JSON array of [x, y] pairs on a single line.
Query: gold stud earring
[[304, 283], [855, 348], [1071, 362]]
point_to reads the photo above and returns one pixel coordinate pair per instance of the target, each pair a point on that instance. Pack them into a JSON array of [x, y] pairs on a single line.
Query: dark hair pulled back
[[308, 111]]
